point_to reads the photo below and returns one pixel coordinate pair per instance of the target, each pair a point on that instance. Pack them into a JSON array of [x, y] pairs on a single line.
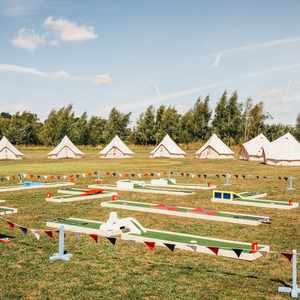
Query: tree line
[[232, 120]]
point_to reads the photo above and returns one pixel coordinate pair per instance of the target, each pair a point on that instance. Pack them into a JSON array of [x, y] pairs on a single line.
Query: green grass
[[128, 270]]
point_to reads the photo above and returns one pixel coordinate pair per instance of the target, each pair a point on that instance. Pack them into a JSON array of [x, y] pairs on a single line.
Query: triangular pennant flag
[[24, 230], [112, 240], [49, 233], [10, 225], [94, 237], [215, 250], [170, 246], [36, 233], [150, 245], [194, 248], [77, 235], [287, 255], [237, 252]]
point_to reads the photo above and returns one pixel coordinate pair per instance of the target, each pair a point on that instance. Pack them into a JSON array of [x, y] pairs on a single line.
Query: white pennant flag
[[36, 233]]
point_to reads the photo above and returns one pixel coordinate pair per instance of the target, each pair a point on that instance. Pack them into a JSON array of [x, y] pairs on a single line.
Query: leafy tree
[[234, 120], [144, 132], [57, 125], [201, 118], [187, 127], [220, 120], [117, 124], [297, 129], [79, 130], [22, 128], [96, 127], [274, 131]]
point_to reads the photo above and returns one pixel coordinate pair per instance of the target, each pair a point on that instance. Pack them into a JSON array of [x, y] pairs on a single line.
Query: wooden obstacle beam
[[7, 210], [144, 189], [78, 194], [196, 213], [241, 199], [33, 185], [171, 240]]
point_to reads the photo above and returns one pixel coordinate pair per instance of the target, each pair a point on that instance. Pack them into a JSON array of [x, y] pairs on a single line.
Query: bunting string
[[149, 244], [98, 175]]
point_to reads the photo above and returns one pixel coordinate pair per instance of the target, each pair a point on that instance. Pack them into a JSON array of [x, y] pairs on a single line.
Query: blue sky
[[98, 54]]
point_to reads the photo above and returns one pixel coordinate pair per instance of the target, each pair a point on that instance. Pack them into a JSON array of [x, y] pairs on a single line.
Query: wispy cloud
[[103, 79], [16, 8], [56, 31], [58, 75], [28, 39], [192, 91], [269, 44], [68, 31]]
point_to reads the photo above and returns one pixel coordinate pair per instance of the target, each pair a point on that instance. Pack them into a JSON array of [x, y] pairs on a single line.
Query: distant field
[[128, 270]]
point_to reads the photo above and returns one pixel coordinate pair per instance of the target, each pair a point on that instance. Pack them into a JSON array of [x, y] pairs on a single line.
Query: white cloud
[[58, 75], [103, 79], [21, 70], [15, 8], [28, 39], [69, 31], [269, 44]]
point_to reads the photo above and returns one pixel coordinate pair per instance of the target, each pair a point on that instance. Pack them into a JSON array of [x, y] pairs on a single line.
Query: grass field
[[129, 270]]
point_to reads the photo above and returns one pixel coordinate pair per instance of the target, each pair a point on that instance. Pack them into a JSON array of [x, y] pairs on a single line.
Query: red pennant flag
[[237, 252], [112, 240], [198, 210], [94, 237], [170, 246], [4, 240], [211, 213], [24, 230], [171, 208], [287, 255], [49, 233], [10, 225], [161, 205], [114, 197], [150, 245], [215, 250]]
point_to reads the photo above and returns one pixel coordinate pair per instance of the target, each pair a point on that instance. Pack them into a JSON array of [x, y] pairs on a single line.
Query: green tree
[[144, 132], [96, 127], [169, 123], [22, 128], [297, 129], [220, 120], [201, 118], [117, 124], [234, 120], [57, 125]]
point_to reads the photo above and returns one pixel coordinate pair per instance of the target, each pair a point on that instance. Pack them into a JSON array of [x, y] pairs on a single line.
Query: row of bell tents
[[283, 151]]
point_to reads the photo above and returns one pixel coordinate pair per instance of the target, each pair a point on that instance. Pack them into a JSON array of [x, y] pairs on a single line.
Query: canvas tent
[[65, 149], [214, 148], [252, 150], [285, 151], [167, 148], [8, 151], [116, 149]]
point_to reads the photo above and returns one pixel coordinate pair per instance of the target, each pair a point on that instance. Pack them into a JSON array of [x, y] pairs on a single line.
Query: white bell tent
[[285, 151], [65, 149], [167, 148], [8, 151], [252, 150], [116, 149], [214, 148]]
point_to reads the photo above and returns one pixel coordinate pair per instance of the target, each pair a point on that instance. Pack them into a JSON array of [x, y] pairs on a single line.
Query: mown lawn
[[129, 270]]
